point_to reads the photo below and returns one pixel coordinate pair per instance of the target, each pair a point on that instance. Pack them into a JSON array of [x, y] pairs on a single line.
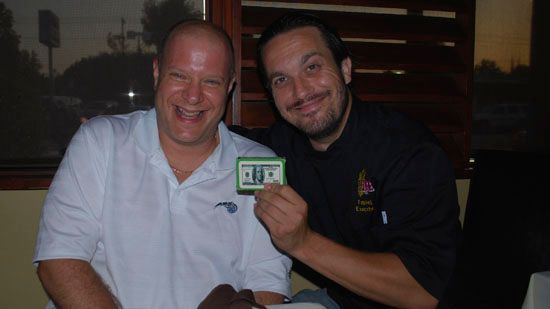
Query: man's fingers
[[284, 191], [266, 209], [266, 218], [284, 213], [272, 197]]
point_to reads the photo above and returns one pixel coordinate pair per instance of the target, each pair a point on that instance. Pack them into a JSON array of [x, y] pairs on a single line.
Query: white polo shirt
[[156, 243]]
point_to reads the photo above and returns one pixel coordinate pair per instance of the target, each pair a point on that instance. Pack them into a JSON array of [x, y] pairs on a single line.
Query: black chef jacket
[[384, 185]]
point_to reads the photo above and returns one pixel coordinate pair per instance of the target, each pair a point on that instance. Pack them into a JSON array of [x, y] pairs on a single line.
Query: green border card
[[254, 172]]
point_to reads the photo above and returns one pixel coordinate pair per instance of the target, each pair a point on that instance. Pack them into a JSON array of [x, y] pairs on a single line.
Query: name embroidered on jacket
[[364, 190], [230, 206]]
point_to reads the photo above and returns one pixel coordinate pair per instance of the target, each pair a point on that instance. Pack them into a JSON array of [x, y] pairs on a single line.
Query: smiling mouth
[[310, 101], [186, 114]]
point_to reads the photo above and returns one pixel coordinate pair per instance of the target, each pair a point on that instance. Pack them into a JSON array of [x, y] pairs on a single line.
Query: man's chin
[[320, 129], [317, 131]]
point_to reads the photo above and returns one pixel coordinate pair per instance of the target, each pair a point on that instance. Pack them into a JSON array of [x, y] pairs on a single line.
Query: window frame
[[27, 174]]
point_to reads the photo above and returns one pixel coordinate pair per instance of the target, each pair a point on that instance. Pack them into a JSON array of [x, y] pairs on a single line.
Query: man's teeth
[[183, 113]]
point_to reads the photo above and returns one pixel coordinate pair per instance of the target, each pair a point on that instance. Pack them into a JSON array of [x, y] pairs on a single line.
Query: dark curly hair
[[293, 21]]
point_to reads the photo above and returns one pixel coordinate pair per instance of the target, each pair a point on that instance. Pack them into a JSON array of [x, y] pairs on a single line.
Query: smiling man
[[371, 204], [143, 211]]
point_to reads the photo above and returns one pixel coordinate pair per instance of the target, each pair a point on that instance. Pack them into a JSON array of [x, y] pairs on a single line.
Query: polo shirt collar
[[146, 133], [226, 153]]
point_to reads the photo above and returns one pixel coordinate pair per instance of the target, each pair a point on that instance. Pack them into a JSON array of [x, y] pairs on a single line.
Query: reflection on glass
[[502, 97], [101, 65]]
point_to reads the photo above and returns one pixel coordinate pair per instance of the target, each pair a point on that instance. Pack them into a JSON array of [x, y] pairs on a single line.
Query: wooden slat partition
[[434, 5], [365, 25], [386, 56], [417, 63]]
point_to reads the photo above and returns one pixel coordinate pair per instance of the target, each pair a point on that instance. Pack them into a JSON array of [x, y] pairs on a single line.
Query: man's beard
[[330, 123]]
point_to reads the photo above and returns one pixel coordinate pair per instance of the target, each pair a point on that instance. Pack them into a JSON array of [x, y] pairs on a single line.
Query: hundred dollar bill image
[[254, 172]]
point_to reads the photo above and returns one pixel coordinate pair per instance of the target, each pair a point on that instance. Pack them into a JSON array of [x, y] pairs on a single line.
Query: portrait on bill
[[258, 174]]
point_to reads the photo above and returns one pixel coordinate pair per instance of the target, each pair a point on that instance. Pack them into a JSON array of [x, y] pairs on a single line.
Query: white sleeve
[[268, 269], [69, 226]]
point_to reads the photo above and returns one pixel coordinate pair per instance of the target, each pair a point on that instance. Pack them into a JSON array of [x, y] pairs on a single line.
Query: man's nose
[[302, 87], [193, 92]]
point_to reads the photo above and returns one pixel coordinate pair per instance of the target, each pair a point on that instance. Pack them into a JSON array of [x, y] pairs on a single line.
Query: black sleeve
[[421, 213]]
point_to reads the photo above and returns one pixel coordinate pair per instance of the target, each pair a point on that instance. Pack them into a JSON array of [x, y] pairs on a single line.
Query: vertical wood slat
[[466, 48], [227, 14]]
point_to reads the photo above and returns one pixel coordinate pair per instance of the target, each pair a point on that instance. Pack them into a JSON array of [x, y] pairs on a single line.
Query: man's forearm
[[72, 283], [378, 276]]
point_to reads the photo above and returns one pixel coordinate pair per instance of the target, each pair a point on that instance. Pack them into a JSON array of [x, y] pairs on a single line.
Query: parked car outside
[[501, 117]]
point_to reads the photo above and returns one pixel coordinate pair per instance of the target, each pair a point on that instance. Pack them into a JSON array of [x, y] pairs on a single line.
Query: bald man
[[143, 211]]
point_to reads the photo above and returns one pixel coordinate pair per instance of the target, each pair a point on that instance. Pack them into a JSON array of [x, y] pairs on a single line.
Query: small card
[[254, 172]]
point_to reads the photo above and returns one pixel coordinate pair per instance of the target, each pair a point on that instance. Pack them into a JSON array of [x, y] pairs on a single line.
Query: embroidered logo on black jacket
[[365, 195]]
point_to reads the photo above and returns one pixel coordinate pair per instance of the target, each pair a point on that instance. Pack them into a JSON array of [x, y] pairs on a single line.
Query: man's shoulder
[[115, 121], [108, 131], [247, 147], [393, 126], [392, 137], [278, 136]]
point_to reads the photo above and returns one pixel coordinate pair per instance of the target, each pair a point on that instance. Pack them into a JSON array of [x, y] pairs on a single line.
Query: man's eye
[[213, 82], [177, 76], [278, 80], [312, 67]]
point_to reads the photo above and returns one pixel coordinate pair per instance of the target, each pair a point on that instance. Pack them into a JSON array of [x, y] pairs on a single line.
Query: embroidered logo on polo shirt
[[365, 188], [230, 206]]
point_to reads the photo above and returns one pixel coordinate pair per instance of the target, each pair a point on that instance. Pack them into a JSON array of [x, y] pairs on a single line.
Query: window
[[504, 103], [66, 61], [103, 65]]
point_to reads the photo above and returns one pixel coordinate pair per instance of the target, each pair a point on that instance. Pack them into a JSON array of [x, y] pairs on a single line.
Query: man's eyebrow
[[306, 57], [220, 79], [275, 74], [303, 60]]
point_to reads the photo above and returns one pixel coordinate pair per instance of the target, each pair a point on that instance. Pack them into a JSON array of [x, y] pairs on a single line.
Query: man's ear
[[231, 84], [155, 73], [345, 67]]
